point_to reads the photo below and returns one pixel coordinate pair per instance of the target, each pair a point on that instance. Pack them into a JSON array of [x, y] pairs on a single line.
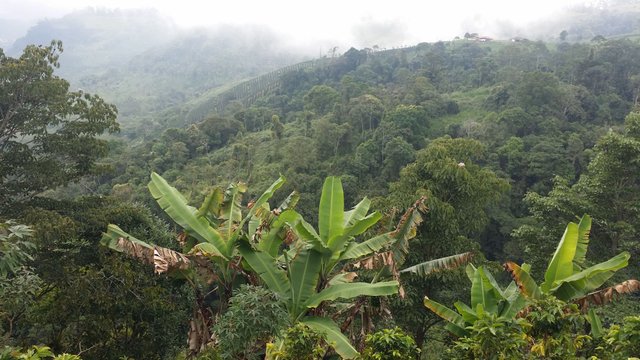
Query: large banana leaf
[[607, 295], [358, 250], [349, 291], [584, 228], [333, 335], [525, 282], [444, 263], [587, 280], [304, 273], [406, 230], [456, 322], [175, 205], [265, 266], [561, 265], [331, 212], [163, 259], [114, 233]]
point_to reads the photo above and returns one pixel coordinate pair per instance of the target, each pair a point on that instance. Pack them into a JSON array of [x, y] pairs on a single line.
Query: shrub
[[390, 344], [254, 317], [300, 342]]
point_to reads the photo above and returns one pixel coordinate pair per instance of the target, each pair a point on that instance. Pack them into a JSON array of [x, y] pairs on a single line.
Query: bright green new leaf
[[331, 212], [561, 265]]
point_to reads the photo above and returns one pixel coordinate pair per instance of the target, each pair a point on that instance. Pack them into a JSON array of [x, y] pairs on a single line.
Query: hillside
[[258, 203]]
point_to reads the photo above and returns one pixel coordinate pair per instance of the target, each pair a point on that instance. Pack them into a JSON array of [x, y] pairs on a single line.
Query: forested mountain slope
[[491, 148]]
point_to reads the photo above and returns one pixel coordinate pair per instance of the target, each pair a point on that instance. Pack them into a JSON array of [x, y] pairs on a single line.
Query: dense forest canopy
[[256, 206]]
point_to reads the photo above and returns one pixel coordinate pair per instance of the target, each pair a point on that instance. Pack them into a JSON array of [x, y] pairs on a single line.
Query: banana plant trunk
[[199, 325]]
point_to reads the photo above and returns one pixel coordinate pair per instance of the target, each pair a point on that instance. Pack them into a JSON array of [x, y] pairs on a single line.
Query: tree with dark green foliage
[[48, 134], [458, 192], [254, 318], [93, 302]]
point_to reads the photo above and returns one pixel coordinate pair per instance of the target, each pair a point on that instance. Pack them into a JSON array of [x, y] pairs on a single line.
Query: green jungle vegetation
[[346, 207]]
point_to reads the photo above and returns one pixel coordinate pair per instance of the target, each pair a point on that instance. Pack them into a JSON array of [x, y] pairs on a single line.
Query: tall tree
[[48, 134]]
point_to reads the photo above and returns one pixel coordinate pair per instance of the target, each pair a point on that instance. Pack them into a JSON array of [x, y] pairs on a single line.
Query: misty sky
[[356, 22]]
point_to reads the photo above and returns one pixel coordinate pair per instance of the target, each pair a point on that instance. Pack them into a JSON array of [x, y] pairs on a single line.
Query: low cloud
[[381, 33]]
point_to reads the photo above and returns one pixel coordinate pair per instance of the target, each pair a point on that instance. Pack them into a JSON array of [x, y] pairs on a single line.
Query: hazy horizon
[[344, 24]]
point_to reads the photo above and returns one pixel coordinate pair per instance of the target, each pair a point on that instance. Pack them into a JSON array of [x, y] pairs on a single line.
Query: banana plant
[[567, 277], [569, 280], [307, 273], [297, 281], [209, 242], [338, 229], [487, 298]]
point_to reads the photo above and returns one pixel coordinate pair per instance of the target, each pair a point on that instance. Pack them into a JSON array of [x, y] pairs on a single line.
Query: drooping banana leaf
[[163, 259], [607, 295], [561, 265], [365, 248], [407, 230], [525, 282], [114, 233], [175, 205], [587, 280], [331, 211], [456, 322], [334, 336], [444, 263], [343, 278], [265, 266], [349, 291]]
